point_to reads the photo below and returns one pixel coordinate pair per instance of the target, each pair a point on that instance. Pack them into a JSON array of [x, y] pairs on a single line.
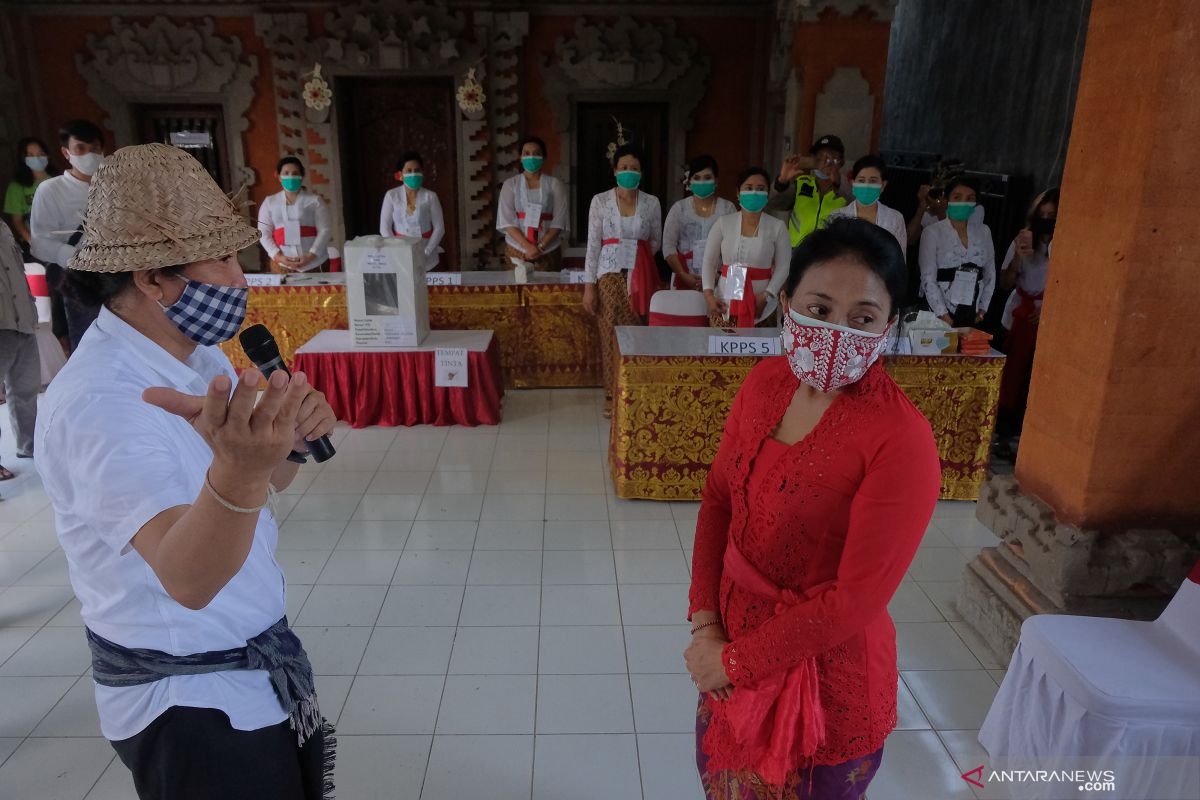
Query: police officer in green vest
[[806, 190]]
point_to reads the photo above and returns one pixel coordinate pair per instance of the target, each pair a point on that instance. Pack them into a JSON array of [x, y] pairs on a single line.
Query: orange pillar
[[1112, 436], [1102, 513]]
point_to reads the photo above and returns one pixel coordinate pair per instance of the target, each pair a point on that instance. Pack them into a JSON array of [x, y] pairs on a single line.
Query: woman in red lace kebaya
[[824, 484]]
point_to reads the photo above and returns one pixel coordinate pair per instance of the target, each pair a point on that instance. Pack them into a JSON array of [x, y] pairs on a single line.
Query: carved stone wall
[[285, 35], [637, 61], [391, 37], [847, 106], [811, 10], [171, 61], [508, 33], [1043, 566]]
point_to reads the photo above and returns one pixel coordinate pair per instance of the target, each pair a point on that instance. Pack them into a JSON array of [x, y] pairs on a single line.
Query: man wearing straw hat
[[160, 466]]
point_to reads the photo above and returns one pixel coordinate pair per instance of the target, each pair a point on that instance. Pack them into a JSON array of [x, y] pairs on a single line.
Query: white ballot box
[[385, 291]]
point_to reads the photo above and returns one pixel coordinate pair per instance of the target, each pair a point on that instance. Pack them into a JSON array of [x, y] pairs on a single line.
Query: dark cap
[[828, 143]]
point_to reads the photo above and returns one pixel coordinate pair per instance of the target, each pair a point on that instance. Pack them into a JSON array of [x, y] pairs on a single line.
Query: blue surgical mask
[[37, 163], [208, 314], [821, 174]]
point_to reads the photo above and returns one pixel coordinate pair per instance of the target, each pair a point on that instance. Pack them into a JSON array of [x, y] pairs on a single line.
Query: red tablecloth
[[396, 387]]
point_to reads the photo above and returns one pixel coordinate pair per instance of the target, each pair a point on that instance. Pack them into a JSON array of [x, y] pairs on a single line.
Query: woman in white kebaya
[[620, 275], [749, 240], [532, 212], [293, 224], [689, 221], [412, 210], [869, 178]]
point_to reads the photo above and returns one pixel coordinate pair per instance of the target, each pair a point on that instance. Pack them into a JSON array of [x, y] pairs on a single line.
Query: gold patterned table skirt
[[546, 339], [670, 412]]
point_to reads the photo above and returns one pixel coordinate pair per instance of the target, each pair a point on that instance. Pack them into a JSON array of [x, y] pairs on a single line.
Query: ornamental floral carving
[[171, 61], [390, 35]]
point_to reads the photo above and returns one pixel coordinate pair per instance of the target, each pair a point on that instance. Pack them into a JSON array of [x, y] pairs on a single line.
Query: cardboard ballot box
[[385, 291]]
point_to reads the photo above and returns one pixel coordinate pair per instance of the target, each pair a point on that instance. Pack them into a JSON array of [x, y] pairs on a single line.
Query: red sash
[[37, 285], [778, 719], [676, 321], [305, 230], [1027, 304], [743, 309], [643, 279], [531, 233], [686, 258], [426, 235]]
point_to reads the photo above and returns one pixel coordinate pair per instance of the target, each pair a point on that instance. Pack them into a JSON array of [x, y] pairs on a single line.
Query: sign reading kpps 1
[[743, 345]]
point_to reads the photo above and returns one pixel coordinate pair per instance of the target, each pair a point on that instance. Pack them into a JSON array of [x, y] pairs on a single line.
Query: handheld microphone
[[261, 348]]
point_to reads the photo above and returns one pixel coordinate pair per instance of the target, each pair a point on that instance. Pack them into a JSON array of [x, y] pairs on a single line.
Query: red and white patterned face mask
[[827, 356]]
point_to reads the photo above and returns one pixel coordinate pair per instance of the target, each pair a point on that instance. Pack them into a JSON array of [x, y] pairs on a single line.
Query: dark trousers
[[195, 754], [68, 318], [964, 316]]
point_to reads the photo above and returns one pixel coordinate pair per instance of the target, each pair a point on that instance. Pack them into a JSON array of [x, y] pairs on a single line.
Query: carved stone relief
[[171, 61], [846, 105], [811, 10], [631, 61], [380, 38]]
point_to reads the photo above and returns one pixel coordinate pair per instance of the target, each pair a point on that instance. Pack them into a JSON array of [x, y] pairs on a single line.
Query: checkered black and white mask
[[208, 314]]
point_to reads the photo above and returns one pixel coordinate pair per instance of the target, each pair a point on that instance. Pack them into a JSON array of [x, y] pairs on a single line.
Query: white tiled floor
[[486, 620]]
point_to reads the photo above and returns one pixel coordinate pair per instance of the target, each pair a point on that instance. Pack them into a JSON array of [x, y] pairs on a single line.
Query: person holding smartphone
[[1025, 269], [807, 187]]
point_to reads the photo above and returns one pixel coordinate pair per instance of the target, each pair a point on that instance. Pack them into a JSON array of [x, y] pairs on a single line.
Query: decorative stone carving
[[644, 60], [508, 32], [384, 34], [624, 55], [285, 35], [171, 61], [1043, 566], [811, 10], [846, 105], [382, 37]]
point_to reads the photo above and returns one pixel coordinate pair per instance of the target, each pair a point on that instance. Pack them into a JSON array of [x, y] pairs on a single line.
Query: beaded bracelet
[[211, 490], [704, 625]]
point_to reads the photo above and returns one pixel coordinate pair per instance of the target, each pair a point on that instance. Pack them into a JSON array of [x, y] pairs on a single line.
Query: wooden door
[[380, 118], [642, 124], [199, 129]]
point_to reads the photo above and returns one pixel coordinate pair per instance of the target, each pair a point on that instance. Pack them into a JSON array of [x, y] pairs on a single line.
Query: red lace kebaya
[[833, 522]]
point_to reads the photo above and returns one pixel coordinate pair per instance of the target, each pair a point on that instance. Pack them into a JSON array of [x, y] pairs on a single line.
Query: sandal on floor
[[6, 474], [24, 455]]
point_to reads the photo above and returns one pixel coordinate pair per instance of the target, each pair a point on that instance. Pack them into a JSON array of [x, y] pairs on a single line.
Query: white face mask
[[87, 163]]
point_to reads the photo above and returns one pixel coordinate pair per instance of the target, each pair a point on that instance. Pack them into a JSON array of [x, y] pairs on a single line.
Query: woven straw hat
[[153, 205]]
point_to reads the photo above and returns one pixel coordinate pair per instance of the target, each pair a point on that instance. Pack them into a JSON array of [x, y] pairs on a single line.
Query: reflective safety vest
[[811, 208]]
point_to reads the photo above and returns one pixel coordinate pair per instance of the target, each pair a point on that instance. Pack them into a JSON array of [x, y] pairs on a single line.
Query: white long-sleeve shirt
[[517, 198], [886, 217], [770, 247], [1031, 279], [58, 206], [605, 222], [685, 231], [425, 221], [942, 249], [309, 211]]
